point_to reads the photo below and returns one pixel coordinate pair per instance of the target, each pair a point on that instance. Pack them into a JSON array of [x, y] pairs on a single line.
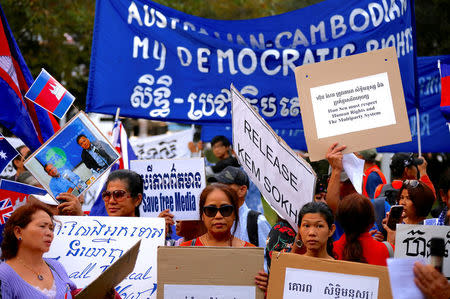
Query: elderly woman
[[218, 211], [28, 234]]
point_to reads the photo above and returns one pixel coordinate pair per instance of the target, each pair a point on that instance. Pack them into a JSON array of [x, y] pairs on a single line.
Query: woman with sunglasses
[[218, 208], [417, 200]]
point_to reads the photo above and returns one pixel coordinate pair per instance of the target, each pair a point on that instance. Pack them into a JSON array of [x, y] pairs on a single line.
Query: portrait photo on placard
[[73, 159]]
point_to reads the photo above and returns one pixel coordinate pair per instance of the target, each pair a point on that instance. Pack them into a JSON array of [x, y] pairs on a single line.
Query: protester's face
[[84, 142], [123, 206], [220, 150], [38, 234], [51, 170], [218, 224], [314, 231], [23, 153], [408, 207], [320, 197]]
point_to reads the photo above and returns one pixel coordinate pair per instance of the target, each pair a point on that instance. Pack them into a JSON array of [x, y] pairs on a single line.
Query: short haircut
[[21, 217], [220, 138], [421, 196], [80, 136], [135, 184], [231, 195]]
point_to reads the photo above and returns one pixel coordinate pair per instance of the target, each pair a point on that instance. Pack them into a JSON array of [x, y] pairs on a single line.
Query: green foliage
[[41, 27]]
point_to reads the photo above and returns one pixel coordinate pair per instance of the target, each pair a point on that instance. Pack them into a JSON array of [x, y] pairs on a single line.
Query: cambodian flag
[[7, 152], [12, 196], [445, 91], [31, 123], [50, 94]]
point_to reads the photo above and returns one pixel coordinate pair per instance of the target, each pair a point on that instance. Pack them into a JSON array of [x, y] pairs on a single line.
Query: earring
[[20, 238]]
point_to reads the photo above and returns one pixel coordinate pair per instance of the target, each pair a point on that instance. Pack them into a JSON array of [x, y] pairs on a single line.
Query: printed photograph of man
[[94, 154], [62, 181]]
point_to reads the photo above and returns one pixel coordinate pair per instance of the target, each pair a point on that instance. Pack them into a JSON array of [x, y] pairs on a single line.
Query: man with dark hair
[[221, 148], [444, 194], [95, 154], [253, 226], [404, 166], [66, 181]]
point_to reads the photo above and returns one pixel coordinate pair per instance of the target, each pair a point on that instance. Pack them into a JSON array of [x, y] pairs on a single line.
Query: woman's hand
[[377, 235], [168, 217], [262, 280], [433, 284], [70, 205]]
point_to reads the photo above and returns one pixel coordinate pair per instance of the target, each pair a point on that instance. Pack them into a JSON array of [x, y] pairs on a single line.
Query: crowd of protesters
[[338, 224]]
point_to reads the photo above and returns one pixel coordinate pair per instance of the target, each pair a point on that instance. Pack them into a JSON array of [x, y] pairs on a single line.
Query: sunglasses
[[410, 161], [225, 210], [118, 195], [411, 183]]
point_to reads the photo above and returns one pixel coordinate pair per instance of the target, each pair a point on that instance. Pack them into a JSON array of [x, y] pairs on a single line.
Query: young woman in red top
[[356, 215]]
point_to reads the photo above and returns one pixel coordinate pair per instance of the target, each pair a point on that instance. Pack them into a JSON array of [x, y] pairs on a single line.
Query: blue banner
[[435, 135], [158, 63]]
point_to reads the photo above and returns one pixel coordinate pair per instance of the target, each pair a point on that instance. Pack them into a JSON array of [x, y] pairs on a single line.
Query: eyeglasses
[[118, 195], [225, 210], [411, 183]]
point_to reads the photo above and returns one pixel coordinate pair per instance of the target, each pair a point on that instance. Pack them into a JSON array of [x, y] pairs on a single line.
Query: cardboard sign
[[298, 276], [113, 275], [171, 184], [355, 100], [209, 272], [167, 146], [414, 241], [87, 246], [286, 181], [72, 159]]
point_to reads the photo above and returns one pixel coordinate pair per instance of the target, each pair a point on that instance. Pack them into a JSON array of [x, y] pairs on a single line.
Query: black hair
[[133, 180], [220, 138], [81, 136], [19, 156], [324, 210], [444, 181]]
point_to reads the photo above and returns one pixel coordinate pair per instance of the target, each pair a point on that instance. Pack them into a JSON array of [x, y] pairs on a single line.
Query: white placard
[[178, 291], [86, 246], [414, 241], [299, 283], [167, 146], [173, 184], [286, 181], [352, 105]]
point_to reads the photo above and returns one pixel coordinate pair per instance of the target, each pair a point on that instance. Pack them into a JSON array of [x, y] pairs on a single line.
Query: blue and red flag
[[31, 123], [445, 91], [7, 152], [50, 94], [123, 146], [12, 196]]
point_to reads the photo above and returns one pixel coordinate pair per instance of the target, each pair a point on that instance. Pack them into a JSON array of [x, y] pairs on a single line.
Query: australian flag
[[123, 146], [50, 94], [7, 152], [13, 195], [31, 123], [445, 91]]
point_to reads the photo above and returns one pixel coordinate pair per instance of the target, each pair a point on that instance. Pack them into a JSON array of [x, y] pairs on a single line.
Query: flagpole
[[419, 144], [117, 114]]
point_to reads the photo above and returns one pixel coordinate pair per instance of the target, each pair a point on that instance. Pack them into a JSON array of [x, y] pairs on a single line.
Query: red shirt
[[374, 252], [199, 243]]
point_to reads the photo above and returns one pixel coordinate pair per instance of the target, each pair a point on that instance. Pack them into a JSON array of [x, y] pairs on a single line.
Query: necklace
[[39, 276], [206, 240]]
